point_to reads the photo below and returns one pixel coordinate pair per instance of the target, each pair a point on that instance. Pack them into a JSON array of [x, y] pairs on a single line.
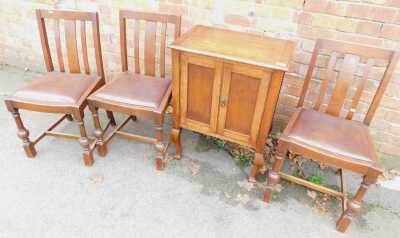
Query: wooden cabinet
[[226, 84]]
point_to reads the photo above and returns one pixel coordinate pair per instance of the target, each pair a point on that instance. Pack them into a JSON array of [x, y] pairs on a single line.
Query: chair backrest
[[353, 56], [70, 19], [152, 21]]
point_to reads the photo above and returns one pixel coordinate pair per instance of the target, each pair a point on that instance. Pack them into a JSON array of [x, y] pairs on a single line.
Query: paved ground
[[122, 195]]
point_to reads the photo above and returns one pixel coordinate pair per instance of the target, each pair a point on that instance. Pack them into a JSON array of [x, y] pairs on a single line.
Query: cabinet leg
[[258, 163], [176, 139]]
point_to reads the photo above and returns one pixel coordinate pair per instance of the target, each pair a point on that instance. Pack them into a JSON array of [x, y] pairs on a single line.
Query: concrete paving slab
[[122, 195]]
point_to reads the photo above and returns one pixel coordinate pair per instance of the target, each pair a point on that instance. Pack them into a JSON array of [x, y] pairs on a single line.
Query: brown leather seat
[[134, 89], [57, 89], [325, 133]]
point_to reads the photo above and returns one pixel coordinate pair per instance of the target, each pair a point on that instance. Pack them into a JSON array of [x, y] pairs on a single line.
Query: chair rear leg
[[159, 145], [274, 172], [23, 133], [354, 205], [98, 133], [69, 117], [84, 142], [110, 116]]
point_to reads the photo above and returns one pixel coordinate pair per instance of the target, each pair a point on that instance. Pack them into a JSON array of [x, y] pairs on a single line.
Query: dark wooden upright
[[226, 84]]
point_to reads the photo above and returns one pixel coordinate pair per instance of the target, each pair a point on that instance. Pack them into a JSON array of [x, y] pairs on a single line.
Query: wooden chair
[[62, 92], [325, 137], [134, 93]]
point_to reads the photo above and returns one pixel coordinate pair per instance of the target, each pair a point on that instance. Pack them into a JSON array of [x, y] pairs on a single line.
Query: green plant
[[243, 160], [316, 179], [220, 143]]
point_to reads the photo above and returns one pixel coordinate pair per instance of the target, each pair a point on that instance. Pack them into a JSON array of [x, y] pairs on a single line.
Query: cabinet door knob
[[223, 100]]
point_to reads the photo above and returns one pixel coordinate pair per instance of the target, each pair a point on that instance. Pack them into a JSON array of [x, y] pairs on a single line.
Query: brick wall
[[372, 22]]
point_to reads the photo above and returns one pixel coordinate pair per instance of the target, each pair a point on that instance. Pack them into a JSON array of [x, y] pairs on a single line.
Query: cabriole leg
[[176, 139], [258, 163]]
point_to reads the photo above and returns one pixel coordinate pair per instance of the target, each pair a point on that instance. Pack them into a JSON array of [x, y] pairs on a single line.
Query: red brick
[[336, 8], [359, 11], [237, 20], [173, 8], [302, 57], [316, 5], [369, 28], [397, 18], [390, 32], [314, 32], [390, 149], [384, 14], [291, 79], [304, 18], [360, 39], [393, 3]]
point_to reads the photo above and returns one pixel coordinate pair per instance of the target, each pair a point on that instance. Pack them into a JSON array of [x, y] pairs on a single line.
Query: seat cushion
[[56, 88], [134, 89], [336, 136]]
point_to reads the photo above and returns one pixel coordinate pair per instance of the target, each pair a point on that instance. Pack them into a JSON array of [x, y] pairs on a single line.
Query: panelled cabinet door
[[243, 95], [200, 87]]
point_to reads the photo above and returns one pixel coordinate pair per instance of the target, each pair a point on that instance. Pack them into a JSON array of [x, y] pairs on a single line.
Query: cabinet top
[[237, 46]]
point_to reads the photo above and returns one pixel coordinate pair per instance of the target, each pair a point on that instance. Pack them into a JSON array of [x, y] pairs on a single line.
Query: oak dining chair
[[327, 133], [139, 92], [62, 92]]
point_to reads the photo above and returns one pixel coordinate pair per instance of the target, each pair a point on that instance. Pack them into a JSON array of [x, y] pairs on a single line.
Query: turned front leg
[[23, 134], [84, 142], [354, 205], [98, 133], [274, 172]]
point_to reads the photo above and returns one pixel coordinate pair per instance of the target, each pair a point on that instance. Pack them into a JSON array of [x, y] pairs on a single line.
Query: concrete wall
[[372, 22]]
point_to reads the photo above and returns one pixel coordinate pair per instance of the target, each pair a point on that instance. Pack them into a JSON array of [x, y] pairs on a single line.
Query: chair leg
[[258, 163], [110, 116], [84, 142], [274, 172], [159, 145], [354, 205], [176, 139], [98, 133], [23, 133], [69, 117]]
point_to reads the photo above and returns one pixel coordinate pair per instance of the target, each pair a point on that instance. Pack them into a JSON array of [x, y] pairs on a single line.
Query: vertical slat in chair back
[[152, 22], [353, 56], [71, 20]]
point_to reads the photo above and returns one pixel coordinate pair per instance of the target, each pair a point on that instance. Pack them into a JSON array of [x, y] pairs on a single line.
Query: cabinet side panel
[[241, 103], [199, 93]]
